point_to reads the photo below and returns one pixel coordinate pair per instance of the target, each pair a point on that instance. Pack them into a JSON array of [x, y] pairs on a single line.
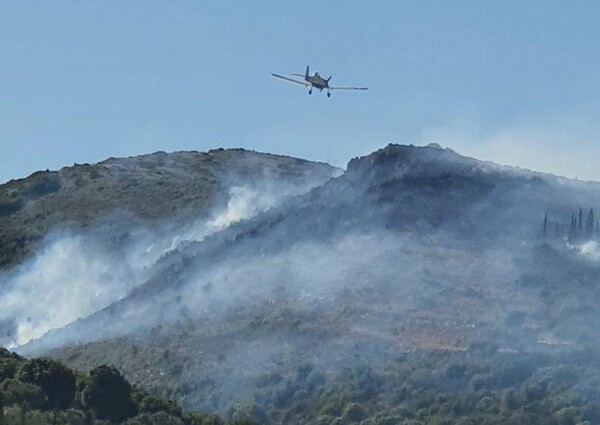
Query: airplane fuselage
[[317, 81]]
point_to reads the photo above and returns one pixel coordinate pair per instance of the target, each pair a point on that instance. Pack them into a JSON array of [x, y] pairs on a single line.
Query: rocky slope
[[142, 189]]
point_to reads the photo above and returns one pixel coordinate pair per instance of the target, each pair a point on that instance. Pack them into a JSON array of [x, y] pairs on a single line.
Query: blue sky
[[511, 81]]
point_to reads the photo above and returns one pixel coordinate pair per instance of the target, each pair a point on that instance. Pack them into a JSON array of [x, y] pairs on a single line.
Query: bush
[[152, 405], [480, 381], [567, 416], [325, 420], [386, 420], [195, 419], [22, 394], [252, 412], [354, 412], [8, 368], [455, 371], [160, 418], [332, 408], [56, 381], [510, 400], [108, 395], [71, 417]]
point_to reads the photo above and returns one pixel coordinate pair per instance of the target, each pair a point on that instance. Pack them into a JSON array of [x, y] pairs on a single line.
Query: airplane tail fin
[[306, 74]]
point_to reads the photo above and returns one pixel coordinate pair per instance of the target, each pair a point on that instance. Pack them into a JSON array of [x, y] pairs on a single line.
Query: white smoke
[[69, 279], [244, 202], [590, 250], [311, 272], [75, 275]]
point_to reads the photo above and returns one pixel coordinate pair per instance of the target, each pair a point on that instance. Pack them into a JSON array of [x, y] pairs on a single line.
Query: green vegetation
[[478, 385], [438, 388], [42, 391]]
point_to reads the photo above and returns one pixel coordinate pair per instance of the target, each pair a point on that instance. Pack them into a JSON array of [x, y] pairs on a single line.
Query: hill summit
[[144, 189]]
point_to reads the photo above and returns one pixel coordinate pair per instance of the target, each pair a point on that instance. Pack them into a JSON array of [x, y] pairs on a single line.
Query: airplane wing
[[291, 80], [348, 88]]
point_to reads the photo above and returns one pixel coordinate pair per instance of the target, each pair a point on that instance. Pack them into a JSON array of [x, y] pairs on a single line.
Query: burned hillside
[[411, 250]]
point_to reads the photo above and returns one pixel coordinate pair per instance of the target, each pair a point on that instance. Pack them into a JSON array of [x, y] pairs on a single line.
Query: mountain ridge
[[409, 171], [150, 187]]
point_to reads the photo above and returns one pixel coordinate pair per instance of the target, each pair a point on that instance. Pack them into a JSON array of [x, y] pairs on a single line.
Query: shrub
[[354, 412], [108, 395], [8, 368], [71, 417], [567, 416], [56, 381], [455, 370], [160, 418], [195, 419], [152, 405], [22, 394], [331, 408]]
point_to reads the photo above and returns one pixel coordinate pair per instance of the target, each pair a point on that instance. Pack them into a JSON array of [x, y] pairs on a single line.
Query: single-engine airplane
[[315, 81]]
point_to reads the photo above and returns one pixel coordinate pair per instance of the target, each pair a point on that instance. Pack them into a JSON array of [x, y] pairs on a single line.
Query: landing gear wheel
[[310, 92], [328, 94]]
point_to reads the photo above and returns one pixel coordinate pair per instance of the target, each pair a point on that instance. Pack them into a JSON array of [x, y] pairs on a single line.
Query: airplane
[[315, 81]]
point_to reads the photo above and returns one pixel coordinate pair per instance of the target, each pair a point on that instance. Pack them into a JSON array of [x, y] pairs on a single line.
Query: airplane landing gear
[[328, 94], [310, 91]]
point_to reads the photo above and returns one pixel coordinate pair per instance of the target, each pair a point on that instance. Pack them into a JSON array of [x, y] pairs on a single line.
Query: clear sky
[[517, 82]]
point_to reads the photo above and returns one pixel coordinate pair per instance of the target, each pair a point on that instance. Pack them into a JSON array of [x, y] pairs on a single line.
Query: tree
[[545, 224], [160, 418], [573, 229], [8, 368], [27, 396], [150, 405], [9, 363], [56, 381], [589, 225], [108, 395]]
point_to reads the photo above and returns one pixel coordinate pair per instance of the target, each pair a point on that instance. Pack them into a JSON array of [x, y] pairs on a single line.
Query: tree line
[[581, 228]]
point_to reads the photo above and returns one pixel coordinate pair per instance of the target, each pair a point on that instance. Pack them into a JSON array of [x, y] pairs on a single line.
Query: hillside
[[139, 190], [420, 285]]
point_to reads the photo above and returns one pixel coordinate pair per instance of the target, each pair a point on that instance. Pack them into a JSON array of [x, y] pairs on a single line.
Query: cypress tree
[[573, 229], [589, 225], [545, 224], [580, 224]]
